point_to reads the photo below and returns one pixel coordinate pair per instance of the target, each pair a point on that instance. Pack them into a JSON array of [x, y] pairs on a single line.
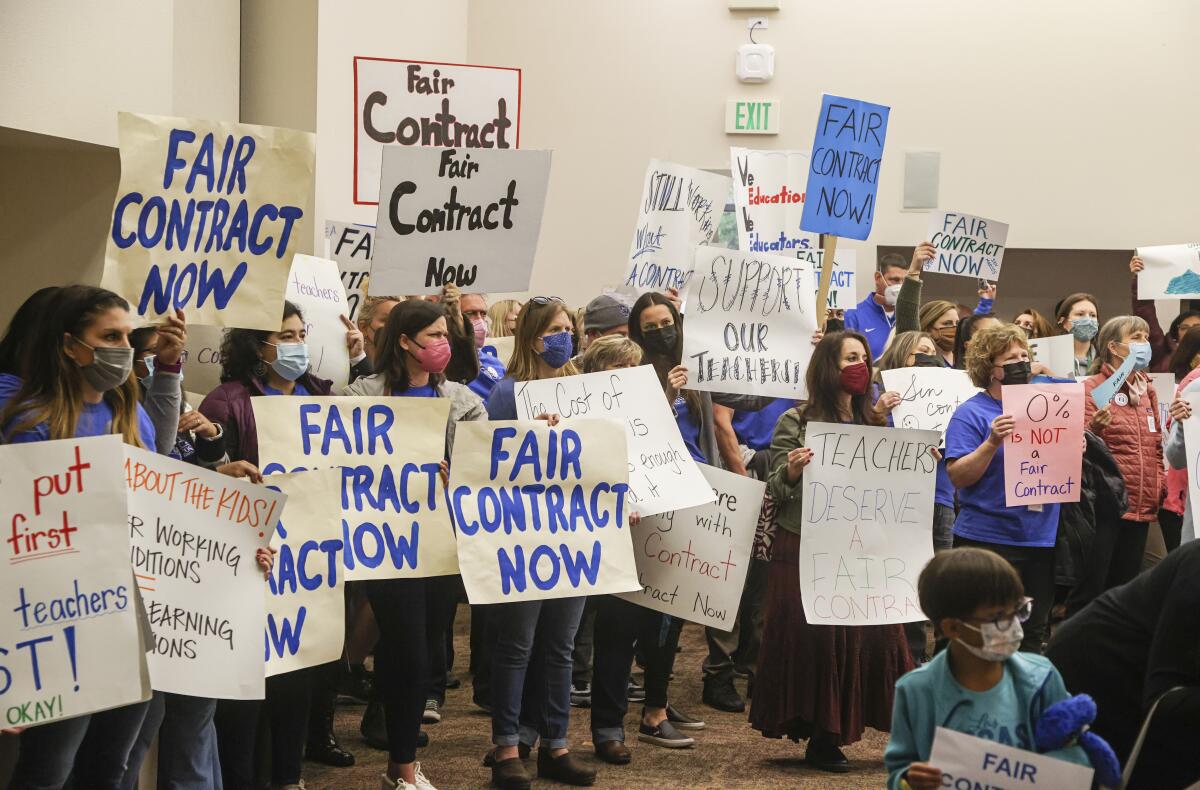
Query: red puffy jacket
[[1134, 437]]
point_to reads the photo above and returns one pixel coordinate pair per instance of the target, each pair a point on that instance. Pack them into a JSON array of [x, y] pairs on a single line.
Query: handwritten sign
[[1043, 457], [928, 396], [662, 474], [967, 246], [1172, 271], [868, 523], [193, 535], [395, 522], [1056, 353], [843, 171], [1104, 392], [967, 761], [207, 218], [768, 199], [350, 247], [843, 292], [456, 216], [749, 323], [306, 609], [680, 208], [315, 286], [441, 105], [69, 637], [202, 359], [540, 511], [692, 563]]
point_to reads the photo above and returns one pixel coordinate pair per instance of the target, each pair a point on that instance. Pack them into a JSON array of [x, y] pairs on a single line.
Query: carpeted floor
[[728, 754]]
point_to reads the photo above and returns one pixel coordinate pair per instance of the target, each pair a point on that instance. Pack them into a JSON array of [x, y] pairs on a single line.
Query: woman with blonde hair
[[502, 318], [1034, 323], [939, 319]]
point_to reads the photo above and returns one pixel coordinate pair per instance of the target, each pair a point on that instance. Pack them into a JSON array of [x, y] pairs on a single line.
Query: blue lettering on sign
[[370, 544], [284, 635], [368, 432], [546, 564]]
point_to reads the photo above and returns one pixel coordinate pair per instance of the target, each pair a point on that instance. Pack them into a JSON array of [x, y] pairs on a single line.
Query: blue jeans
[[50, 753], [531, 670], [943, 527], [187, 744]]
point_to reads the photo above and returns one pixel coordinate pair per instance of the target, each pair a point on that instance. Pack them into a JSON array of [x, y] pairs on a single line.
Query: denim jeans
[[49, 753], [531, 670], [187, 744]]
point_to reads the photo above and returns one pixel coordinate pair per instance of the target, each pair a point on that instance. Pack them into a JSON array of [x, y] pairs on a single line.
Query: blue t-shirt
[[501, 403], [689, 426], [94, 420], [491, 370], [755, 428], [994, 715], [876, 324], [416, 392], [982, 514], [269, 390], [943, 490], [9, 386]]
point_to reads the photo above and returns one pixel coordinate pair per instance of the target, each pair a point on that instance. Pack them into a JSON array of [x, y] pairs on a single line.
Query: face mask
[[1141, 355], [834, 325], [891, 294], [944, 338], [926, 361], [660, 341], [110, 366], [480, 328], [434, 357], [1084, 329], [997, 645], [855, 378], [291, 360], [1017, 373], [557, 349]]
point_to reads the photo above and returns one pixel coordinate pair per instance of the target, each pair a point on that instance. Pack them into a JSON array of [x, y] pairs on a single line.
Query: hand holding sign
[[354, 338]]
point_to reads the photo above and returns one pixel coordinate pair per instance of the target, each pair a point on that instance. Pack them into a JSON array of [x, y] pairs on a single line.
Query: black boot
[[356, 684], [719, 693], [374, 726], [323, 746]]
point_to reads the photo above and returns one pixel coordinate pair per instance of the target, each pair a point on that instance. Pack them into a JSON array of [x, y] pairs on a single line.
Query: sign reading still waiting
[[752, 117]]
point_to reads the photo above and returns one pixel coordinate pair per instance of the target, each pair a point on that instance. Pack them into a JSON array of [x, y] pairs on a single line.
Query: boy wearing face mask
[[980, 685], [876, 315]]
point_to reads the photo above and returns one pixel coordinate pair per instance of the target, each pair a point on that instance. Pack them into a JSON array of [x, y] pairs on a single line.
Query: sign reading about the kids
[[394, 522], [69, 640], [458, 216], [437, 105], [967, 761], [662, 474], [315, 286], [843, 174], [541, 512], [349, 245], [749, 321], [928, 396], [867, 521], [768, 198], [193, 535], [207, 217], [967, 246], [1043, 457], [680, 208], [692, 563], [1172, 271]]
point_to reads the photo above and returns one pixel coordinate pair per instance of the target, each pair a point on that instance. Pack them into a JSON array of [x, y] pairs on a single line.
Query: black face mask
[[834, 325], [660, 341], [1016, 373], [927, 361]]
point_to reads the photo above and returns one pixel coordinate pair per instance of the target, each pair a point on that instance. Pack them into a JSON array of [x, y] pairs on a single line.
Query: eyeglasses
[[1004, 621], [947, 326], [544, 300]]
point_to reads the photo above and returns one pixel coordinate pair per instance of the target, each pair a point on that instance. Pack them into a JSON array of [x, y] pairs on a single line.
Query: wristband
[[165, 368]]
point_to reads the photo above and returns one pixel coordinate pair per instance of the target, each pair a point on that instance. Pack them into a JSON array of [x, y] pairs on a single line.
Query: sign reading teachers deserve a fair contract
[[967, 246], [1172, 271], [458, 216], [541, 512], [69, 636], [843, 173], [207, 217], [1043, 456], [193, 535], [315, 286], [970, 762], [349, 245], [662, 474], [395, 522], [679, 209], [750, 321], [692, 563], [867, 522], [928, 396]]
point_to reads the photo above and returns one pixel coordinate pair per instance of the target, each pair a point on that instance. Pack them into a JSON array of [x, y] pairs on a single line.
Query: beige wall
[[279, 63]]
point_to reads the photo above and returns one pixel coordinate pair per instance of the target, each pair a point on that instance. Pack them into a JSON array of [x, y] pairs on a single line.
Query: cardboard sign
[[193, 535], [928, 396], [680, 208], [868, 523], [540, 511], [202, 359], [440, 105], [1172, 272], [69, 620], [768, 199], [1043, 456], [349, 246], [750, 321], [470, 218], [843, 173], [662, 475], [843, 292], [395, 523], [306, 607], [692, 563], [967, 761], [1056, 353], [967, 246], [315, 286], [207, 218]]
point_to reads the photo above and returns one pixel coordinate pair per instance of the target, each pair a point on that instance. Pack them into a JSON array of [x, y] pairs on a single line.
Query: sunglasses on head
[[543, 300]]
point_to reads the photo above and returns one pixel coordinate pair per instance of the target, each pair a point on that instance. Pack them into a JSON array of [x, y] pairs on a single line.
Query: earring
[[260, 368]]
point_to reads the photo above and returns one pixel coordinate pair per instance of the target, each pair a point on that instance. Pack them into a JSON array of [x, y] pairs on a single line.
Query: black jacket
[[1101, 504]]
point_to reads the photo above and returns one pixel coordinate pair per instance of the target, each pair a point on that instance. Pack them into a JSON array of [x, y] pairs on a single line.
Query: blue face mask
[[291, 360], [1084, 329], [1141, 354], [558, 348]]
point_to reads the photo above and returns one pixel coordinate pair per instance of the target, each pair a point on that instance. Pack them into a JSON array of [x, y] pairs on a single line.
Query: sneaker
[[432, 714], [421, 782], [581, 695], [388, 783], [664, 735], [719, 693], [635, 693], [682, 721]]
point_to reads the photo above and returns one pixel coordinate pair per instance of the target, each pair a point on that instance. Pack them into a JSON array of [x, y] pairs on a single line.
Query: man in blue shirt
[[876, 315]]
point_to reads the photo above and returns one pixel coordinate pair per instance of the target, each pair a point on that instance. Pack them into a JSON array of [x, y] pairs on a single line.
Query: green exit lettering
[[752, 116]]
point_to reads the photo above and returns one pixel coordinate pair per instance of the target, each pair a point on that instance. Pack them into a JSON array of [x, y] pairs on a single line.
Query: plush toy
[[1066, 724]]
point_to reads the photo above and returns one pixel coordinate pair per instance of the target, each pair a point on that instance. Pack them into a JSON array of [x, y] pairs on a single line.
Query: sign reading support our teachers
[[540, 511], [843, 174], [970, 762], [207, 217], [458, 216], [1043, 456], [868, 523], [69, 637]]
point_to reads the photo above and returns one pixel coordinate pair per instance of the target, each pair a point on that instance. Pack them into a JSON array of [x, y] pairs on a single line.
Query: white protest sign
[[970, 762], [441, 105], [680, 208], [768, 199], [928, 396], [315, 286], [69, 620], [540, 511], [692, 563], [202, 359], [1164, 387], [349, 245], [501, 348], [453, 216], [306, 608], [662, 474], [967, 246], [750, 321], [395, 522], [1172, 271], [843, 292], [1056, 352], [868, 523], [194, 533]]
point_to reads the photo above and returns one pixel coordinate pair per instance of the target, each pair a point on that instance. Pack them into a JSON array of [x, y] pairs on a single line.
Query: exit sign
[[743, 116]]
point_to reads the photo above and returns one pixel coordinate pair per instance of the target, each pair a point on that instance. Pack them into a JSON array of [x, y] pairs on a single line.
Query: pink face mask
[[434, 357], [481, 328]]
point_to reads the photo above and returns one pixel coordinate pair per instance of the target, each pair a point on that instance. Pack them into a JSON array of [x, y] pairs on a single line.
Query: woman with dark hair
[[967, 328], [1162, 344], [14, 346], [822, 683], [1186, 356], [1079, 316]]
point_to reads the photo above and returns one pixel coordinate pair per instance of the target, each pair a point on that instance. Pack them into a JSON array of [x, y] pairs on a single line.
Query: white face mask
[[998, 645], [891, 294]]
